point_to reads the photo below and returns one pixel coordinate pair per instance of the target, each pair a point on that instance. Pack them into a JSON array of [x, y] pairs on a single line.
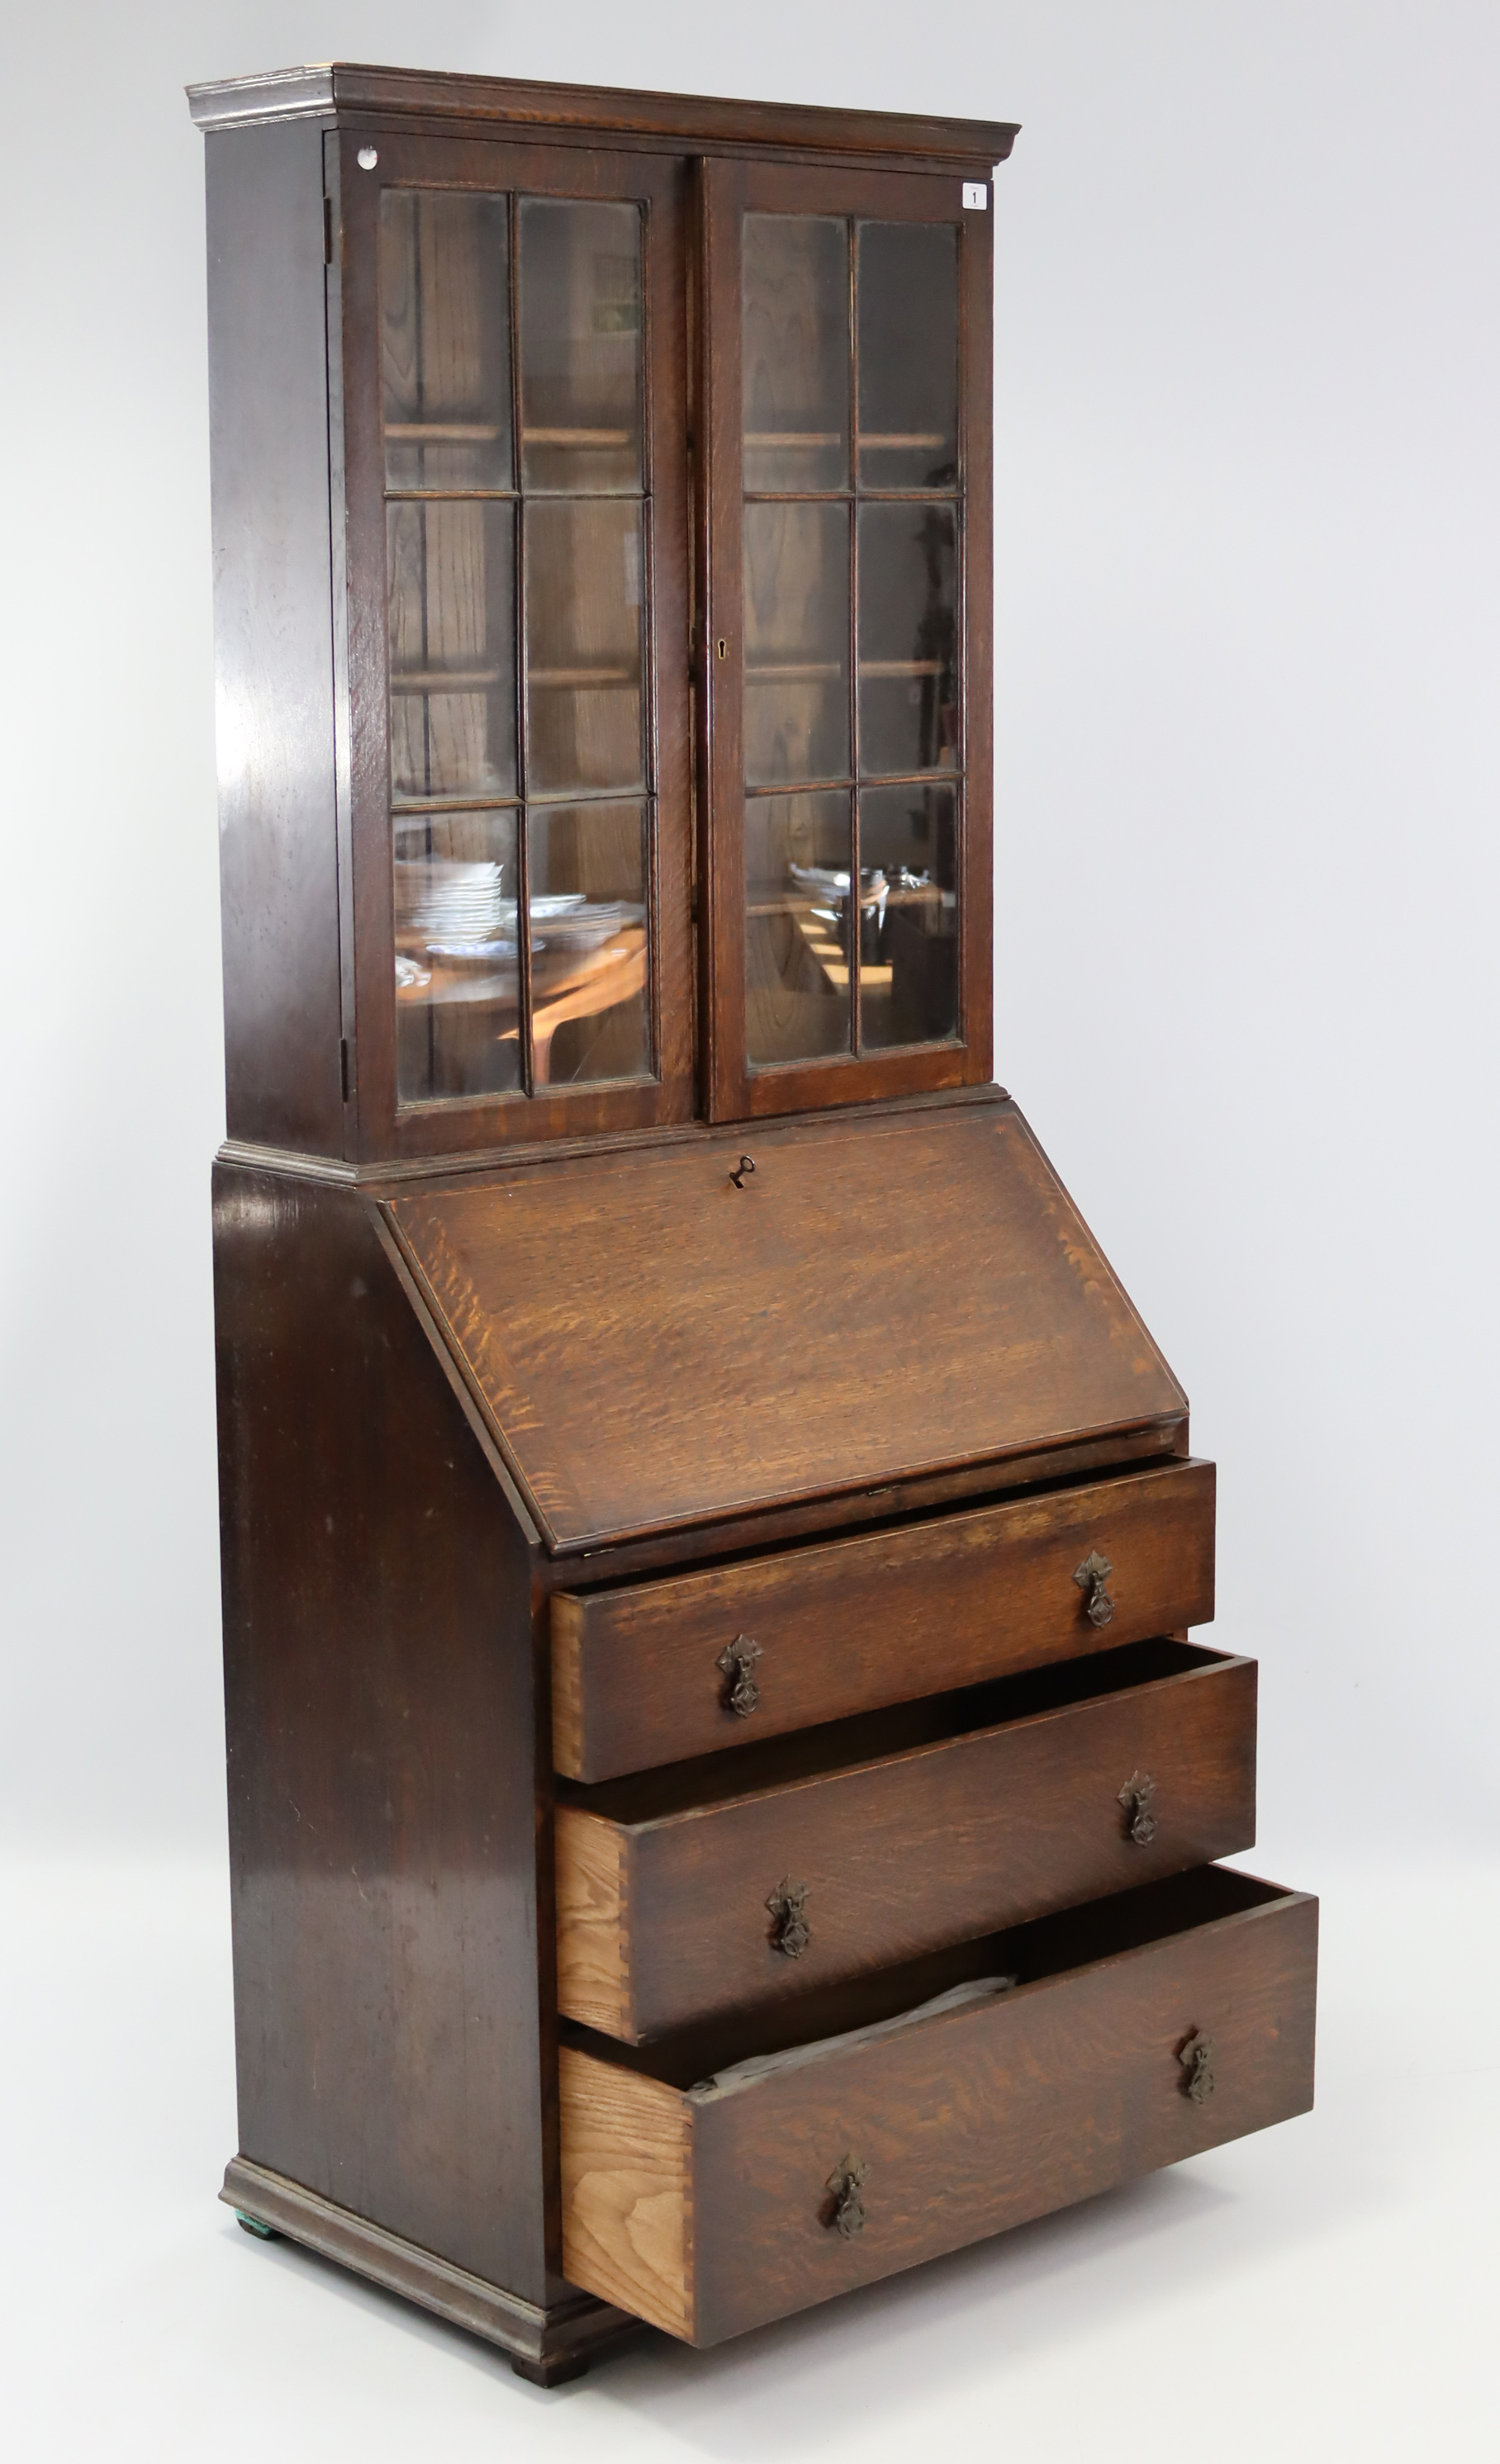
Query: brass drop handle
[[735, 1662], [790, 1931], [844, 2212], [1196, 2058], [1091, 1578], [1137, 1796]]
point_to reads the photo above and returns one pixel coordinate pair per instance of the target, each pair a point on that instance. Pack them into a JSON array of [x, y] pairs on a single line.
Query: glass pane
[[796, 352], [908, 355], [457, 967], [796, 723], [579, 346], [908, 638], [588, 941], [908, 894], [797, 927], [583, 646], [451, 613], [445, 340]]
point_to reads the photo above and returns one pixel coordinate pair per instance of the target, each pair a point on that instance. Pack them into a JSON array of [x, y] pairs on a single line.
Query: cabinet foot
[[550, 2374], [546, 2346]]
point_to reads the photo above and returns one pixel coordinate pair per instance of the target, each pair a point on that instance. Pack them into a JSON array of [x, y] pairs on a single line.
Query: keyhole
[[721, 647]]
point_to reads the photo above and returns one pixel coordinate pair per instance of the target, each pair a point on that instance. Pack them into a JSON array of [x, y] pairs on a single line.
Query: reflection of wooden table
[[565, 985], [580, 984], [819, 939]]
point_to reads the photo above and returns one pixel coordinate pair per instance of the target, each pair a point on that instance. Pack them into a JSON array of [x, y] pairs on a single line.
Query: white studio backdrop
[[1247, 624]]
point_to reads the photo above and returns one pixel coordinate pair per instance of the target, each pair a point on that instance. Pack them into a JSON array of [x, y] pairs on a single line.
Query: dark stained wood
[[268, 409], [391, 1961], [418, 1131], [689, 121], [733, 1090], [546, 2345], [656, 1348], [707, 2213], [498, 1372], [907, 1829], [862, 1622]]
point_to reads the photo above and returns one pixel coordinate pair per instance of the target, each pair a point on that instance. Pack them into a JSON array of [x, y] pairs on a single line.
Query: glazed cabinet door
[[844, 655], [509, 329]]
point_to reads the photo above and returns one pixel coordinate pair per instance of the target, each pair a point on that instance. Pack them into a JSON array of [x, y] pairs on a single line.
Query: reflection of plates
[[587, 925], [440, 899], [478, 954], [819, 881]]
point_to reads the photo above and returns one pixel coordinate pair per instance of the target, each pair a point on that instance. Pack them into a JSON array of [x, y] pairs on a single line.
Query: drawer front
[[648, 1673], [668, 1920], [711, 2214]]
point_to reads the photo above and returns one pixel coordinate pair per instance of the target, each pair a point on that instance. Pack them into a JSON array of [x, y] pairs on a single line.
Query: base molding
[[546, 2345]]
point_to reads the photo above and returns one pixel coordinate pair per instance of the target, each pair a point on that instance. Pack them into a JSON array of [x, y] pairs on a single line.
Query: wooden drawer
[[712, 2210], [886, 1837], [878, 1617]]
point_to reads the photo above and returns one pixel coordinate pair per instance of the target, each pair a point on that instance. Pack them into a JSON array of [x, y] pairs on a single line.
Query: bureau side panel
[[380, 1678], [272, 617]]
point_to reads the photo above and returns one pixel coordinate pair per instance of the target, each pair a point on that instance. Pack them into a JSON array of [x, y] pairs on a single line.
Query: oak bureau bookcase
[[724, 1804]]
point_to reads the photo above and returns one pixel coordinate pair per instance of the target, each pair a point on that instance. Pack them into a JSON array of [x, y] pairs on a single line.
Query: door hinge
[[343, 1065], [327, 231]]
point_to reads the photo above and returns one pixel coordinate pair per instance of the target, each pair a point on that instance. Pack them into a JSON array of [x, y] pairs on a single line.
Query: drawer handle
[[1196, 2058], [1098, 1607], [790, 1931], [736, 1660], [845, 2212], [1136, 1798]]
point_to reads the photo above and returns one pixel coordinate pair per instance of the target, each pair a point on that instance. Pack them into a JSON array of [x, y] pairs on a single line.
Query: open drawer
[[650, 1672], [1137, 2031], [760, 1875]]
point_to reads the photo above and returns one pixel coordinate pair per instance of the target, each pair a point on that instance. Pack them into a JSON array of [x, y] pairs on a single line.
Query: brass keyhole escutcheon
[[734, 1663], [1091, 1578], [1136, 1798], [1196, 2058], [788, 1906], [721, 647], [844, 2212]]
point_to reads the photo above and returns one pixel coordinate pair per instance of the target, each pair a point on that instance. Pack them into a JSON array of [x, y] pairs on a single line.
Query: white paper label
[[976, 195]]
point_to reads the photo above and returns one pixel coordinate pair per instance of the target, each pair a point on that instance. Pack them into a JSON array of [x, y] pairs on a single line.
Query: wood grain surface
[[991, 1809], [392, 1971], [625, 2160], [514, 105], [656, 1348], [850, 1624], [279, 862], [965, 2124]]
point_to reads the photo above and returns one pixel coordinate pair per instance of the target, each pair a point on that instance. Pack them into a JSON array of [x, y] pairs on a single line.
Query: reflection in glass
[[451, 609], [795, 352], [908, 638], [796, 722], [579, 346], [908, 355], [445, 340], [457, 961], [797, 927], [583, 594], [908, 933], [589, 941]]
